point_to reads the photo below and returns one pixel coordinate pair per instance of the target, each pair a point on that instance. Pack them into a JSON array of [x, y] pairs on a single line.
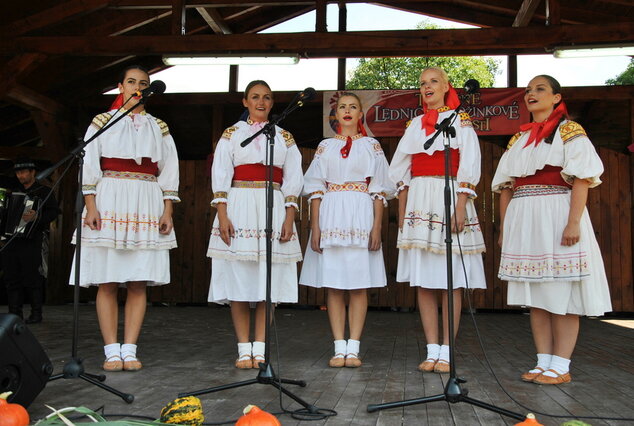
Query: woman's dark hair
[[132, 67], [255, 83], [556, 88]]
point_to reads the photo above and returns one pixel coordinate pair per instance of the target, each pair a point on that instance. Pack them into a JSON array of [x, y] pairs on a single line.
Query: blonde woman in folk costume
[[130, 182], [237, 245], [550, 256], [348, 186], [419, 174]]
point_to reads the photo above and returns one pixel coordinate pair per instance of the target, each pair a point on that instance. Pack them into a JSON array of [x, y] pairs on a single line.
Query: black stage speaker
[[24, 366]]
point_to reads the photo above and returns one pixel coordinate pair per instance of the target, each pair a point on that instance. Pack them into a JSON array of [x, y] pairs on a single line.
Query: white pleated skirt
[[128, 247], [345, 221], [422, 249], [541, 273], [238, 271]]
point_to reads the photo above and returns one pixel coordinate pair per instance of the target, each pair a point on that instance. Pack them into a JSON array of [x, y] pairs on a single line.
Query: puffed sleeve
[[168, 178], [581, 160], [470, 157], [381, 186], [293, 177], [400, 171], [314, 179], [222, 171], [92, 159], [502, 179]]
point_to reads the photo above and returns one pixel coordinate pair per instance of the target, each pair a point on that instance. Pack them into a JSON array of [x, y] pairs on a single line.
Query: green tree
[[626, 77], [403, 73]]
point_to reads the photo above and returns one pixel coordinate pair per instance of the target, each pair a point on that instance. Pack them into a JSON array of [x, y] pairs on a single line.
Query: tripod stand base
[[453, 393], [74, 369], [266, 376]]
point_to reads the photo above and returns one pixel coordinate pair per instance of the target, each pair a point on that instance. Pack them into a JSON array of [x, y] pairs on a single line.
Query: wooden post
[[178, 17], [321, 25], [341, 63], [512, 71], [233, 78]]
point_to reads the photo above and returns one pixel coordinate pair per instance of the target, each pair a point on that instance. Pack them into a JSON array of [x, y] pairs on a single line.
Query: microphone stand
[[453, 392], [74, 369], [266, 375]]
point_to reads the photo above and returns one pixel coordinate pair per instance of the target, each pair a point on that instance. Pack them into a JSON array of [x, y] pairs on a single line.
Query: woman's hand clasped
[[226, 230], [375, 239], [165, 224]]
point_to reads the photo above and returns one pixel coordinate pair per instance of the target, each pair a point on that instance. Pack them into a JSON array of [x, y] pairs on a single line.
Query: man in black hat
[[22, 258]]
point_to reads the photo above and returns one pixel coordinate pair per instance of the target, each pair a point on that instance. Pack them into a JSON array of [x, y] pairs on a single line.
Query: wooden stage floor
[[191, 348]]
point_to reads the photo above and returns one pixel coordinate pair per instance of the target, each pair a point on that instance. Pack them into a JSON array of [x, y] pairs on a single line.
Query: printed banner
[[493, 111]]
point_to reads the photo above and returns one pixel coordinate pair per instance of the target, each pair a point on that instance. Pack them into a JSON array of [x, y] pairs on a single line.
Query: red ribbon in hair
[[430, 116], [118, 102], [539, 131], [345, 151]]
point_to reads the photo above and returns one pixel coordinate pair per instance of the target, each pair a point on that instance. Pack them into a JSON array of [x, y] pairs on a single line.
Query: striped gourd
[[183, 411]]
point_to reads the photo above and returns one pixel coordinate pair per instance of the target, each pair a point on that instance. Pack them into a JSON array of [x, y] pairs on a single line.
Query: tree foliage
[[404, 73], [626, 77]]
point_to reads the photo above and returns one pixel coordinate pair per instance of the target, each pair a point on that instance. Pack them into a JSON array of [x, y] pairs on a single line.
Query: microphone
[[472, 86], [156, 87], [306, 95]]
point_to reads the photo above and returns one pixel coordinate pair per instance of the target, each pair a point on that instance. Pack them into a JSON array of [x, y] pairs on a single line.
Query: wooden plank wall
[[610, 207]]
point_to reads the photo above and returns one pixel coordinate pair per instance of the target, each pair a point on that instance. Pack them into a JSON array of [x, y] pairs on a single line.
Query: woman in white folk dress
[[129, 184], [348, 186], [419, 174], [237, 245], [550, 256]]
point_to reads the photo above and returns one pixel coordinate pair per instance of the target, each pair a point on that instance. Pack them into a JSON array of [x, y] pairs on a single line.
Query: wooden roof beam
[[447, 42], [30, 99], [526, 12], [52, 16], [214, 20]]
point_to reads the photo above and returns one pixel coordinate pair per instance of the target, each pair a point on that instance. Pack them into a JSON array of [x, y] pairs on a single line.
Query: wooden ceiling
[[54, 54]]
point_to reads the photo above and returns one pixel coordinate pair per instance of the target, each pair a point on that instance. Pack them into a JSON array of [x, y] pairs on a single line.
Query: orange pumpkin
[[12, 414], [530, 420], [253, 416]]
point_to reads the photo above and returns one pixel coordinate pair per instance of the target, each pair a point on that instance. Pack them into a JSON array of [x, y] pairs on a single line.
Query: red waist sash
[[549, 175], [127, 165], [434, 165], [256, 172]]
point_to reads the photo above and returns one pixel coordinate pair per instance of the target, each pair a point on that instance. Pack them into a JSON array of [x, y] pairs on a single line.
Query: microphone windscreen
[[308, 93], [157, 87], [472, 86]]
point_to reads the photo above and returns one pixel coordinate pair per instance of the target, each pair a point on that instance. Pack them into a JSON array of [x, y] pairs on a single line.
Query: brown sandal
[[257, 359], [132, 365], [442, 366], [529, 377], [244, 361], [353, 361], [113, 363], [428, 365], [543, 379], [337, 361]]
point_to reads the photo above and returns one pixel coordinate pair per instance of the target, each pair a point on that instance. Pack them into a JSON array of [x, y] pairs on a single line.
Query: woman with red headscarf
[[348, 186], [419, 174], [550, 256]]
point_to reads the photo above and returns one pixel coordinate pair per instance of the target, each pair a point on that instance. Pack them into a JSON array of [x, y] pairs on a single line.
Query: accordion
[[13, 206]]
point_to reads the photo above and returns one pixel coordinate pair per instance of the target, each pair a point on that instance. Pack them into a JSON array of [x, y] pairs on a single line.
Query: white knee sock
[[258, 349], [543, 362], [340, 348], [112, 350], [433, 351], [244, 350], [559, 364], [352, 348], [444, 353], [128, 352]]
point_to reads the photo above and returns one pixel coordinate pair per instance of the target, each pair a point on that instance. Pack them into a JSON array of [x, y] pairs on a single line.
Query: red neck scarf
[[117, 103], [345, 151], [430, 116], [540, 131]]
